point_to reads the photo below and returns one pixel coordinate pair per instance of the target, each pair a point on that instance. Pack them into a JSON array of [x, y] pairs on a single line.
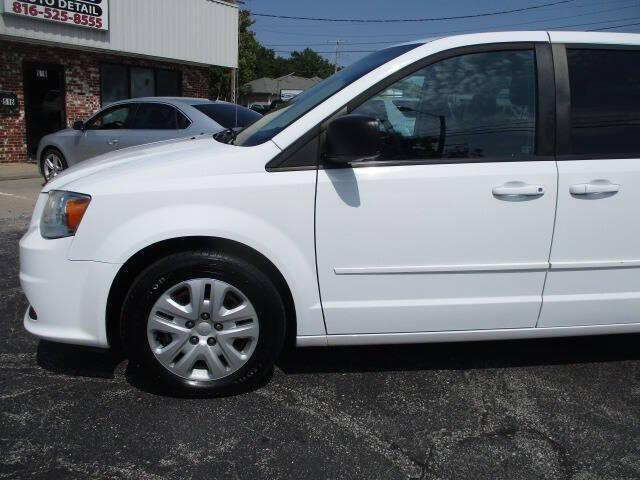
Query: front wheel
[[203, 323], [52, 163]]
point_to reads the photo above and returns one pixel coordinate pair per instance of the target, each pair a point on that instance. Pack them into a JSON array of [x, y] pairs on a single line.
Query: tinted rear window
[[154, 116], [605, 101], [228, 115]]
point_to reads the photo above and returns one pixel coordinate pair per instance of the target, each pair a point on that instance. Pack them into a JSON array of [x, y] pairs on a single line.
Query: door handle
[[113, 141], [595, 187], [518, 189]]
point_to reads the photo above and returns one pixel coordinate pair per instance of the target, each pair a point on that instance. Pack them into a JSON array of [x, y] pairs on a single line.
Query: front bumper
[[69, 297]]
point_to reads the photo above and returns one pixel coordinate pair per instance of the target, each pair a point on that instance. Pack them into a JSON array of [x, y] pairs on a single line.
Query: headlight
[[63, 213]]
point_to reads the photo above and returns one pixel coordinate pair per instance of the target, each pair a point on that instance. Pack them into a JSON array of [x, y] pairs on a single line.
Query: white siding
[[201, 32]]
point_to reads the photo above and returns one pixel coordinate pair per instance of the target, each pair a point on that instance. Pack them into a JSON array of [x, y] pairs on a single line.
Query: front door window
[[115, 118], [480, 105]]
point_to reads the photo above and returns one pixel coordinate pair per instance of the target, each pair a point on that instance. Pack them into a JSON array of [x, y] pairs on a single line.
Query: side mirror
[[78, 125], [352, 138]]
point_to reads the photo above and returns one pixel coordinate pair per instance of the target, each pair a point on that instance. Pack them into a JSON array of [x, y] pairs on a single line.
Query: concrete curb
[[18, 171], [18, 177]]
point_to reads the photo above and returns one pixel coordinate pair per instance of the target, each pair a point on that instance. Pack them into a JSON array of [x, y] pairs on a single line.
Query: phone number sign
[[92, 14]]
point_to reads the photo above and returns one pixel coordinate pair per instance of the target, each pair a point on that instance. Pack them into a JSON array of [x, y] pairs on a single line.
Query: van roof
[[603, 38]]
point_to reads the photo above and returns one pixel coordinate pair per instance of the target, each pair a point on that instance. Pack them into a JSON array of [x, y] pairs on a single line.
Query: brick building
[[53, 72]]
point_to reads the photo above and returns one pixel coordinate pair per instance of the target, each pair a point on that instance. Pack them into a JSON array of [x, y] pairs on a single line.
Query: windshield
[[273, 123]]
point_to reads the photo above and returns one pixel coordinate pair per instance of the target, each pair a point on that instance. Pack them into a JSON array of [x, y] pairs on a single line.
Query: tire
[[52, 162], [164, 283]]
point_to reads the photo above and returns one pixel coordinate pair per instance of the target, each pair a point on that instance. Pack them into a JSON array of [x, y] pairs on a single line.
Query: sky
[[283, 35]]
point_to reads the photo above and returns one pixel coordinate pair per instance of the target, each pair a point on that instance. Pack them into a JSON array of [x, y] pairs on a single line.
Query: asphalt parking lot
[[545, 409]]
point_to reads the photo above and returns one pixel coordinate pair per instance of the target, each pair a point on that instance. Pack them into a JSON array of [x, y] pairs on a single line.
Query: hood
[[64, 131], [51, 137], [170, 159]]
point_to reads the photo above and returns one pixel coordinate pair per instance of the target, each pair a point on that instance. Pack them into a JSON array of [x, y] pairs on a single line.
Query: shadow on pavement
[[77, 361], [462, 355], [87, 362], [136, 379]]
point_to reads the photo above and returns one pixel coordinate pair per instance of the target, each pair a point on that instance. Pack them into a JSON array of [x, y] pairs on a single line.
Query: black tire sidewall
[[170, 271]]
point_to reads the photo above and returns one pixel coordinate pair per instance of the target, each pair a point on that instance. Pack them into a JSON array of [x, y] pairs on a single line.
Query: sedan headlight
[[63, 213]]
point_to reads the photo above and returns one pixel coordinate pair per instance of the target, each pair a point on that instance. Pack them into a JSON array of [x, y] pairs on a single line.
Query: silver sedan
[[136, 122]]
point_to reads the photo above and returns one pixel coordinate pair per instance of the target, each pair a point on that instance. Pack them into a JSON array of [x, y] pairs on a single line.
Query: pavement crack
[[310, 405]]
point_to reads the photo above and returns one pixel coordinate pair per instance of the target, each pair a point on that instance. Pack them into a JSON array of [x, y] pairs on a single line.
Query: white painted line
[[14, 196]]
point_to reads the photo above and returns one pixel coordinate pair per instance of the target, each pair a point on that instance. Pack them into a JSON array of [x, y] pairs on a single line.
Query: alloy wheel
[[52, 165], [203, 329]]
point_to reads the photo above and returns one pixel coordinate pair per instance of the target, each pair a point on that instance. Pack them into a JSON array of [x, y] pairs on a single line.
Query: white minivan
[[474, 187]]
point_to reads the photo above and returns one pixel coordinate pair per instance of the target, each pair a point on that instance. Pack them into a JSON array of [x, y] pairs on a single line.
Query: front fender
[[289, 246], [55, 140]]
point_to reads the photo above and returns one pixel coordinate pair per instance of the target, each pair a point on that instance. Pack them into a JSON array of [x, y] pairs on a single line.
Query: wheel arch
[[143, 258]]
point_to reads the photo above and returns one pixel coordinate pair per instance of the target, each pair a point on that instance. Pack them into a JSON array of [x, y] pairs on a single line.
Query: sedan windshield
[[273, 123]]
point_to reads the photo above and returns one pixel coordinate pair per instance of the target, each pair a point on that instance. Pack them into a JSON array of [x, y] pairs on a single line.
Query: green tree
[[248, 49], [308, 63], [257, 61], [267, 64], [219, 83]]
